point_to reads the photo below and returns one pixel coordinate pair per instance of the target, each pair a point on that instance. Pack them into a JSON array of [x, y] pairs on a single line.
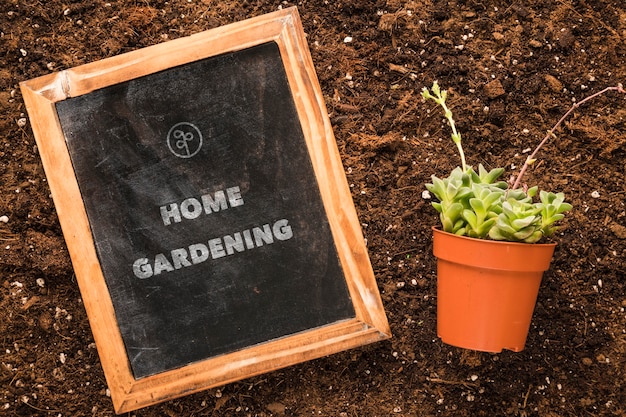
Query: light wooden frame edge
[[285, 28]]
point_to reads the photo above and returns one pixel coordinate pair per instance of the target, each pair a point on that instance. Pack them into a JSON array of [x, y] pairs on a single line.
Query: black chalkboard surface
[[215, 128], [205, 208]]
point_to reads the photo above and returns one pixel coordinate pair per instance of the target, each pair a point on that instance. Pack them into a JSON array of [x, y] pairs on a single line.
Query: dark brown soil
[[512, 69]]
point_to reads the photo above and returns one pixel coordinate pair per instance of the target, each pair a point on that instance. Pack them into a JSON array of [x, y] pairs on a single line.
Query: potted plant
[[491, 250]]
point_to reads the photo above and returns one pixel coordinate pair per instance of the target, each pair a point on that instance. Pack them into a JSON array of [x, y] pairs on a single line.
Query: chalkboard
[[205, 209], [244, 253]]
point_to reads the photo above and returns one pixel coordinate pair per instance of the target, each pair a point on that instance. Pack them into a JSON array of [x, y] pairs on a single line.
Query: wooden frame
[[370, 323]]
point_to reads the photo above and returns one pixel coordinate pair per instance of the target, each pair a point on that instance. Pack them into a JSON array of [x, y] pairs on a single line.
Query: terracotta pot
[[486, 290]]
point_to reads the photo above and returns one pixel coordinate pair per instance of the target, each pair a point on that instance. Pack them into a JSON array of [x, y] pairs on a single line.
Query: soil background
[[512, 69]]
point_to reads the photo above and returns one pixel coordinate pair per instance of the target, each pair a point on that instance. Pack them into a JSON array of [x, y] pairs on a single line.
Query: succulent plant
[[476, 204]]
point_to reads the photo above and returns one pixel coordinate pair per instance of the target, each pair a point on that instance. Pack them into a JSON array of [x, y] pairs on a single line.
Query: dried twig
[[447, 382]]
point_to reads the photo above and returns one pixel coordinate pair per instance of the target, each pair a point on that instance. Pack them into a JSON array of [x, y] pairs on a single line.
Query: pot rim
[[435, 229], [492, 254]]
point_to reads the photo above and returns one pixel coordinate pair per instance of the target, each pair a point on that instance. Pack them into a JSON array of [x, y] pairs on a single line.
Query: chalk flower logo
[[184, 140]]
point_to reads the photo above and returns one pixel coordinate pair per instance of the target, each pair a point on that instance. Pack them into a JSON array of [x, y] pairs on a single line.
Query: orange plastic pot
[[487, 290]]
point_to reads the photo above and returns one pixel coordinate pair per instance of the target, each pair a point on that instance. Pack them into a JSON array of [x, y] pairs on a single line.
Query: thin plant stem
[[456, 136], [440, 98], [531, 159]]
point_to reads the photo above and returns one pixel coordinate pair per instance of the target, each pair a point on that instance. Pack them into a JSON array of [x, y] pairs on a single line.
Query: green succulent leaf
[[471, 218], [523, 223], [492, 199], [447, 224], [534, 237], [523, 234], [495, 233], [454, 210], [478, 207], [489, 177], [518, 195], [459, 227], [437, 188]]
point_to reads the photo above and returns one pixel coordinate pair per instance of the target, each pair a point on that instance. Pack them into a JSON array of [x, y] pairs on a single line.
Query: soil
[[511, 68]]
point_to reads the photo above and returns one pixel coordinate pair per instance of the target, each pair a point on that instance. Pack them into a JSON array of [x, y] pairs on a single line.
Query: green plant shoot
[[440, 97]]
